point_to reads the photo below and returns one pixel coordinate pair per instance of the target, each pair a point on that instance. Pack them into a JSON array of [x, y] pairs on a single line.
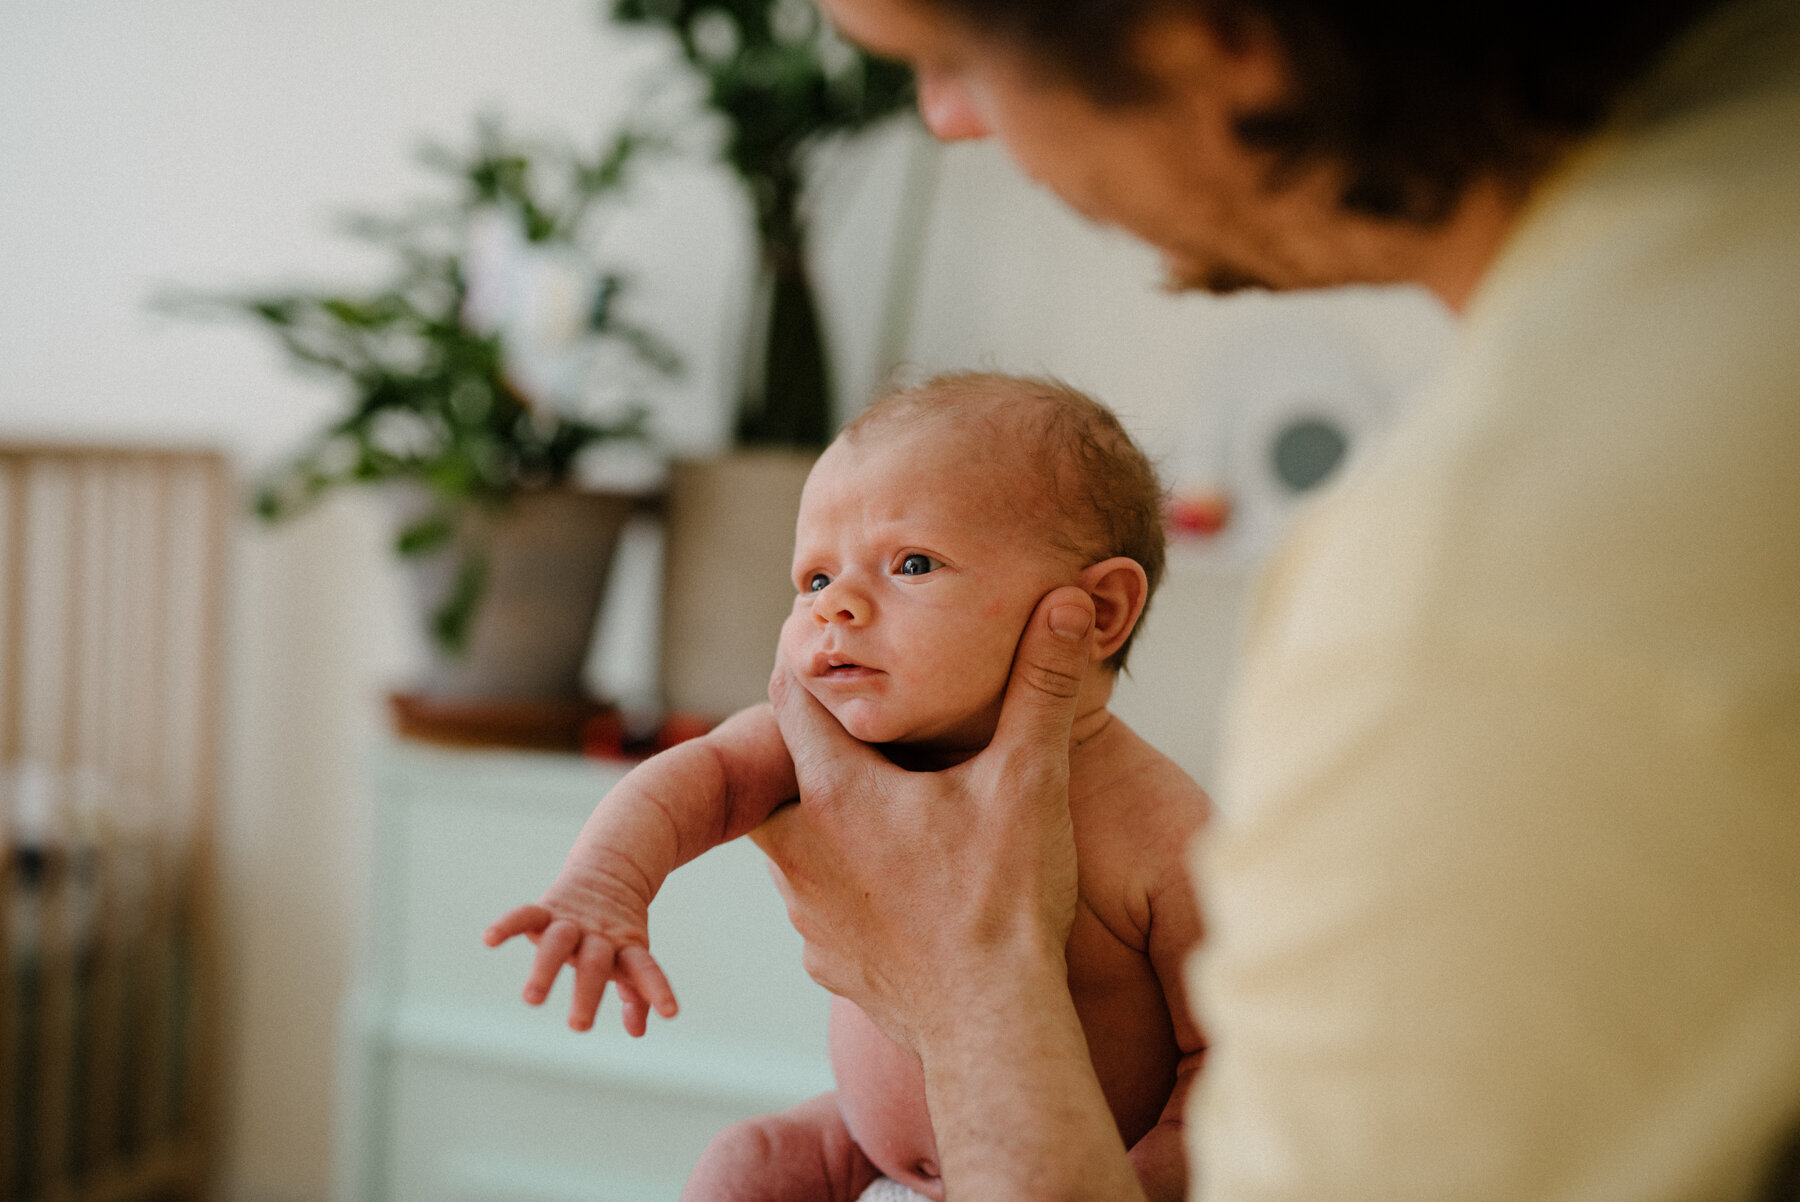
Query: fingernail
[[1070, 621]]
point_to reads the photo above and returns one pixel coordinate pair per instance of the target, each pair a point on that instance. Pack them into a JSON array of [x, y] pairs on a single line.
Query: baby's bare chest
[[1132, 814], [1123, 1010]]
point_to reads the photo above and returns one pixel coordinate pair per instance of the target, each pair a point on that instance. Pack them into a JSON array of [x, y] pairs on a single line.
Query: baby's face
[[916, 572]]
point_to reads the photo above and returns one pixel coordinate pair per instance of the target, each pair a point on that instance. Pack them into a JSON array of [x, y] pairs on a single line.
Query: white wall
[[208, 143]]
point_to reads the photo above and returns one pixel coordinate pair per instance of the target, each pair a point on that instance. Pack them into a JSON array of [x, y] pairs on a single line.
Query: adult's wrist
[[1012, 1091], [991, 977]]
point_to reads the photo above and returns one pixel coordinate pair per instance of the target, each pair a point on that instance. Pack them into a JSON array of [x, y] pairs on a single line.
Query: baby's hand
[[605, 940]]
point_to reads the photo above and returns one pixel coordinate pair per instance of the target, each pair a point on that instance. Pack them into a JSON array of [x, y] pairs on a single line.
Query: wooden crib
[[111, 615]]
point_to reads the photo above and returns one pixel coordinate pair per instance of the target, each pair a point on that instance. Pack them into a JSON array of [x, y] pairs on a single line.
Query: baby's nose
[[838, 602]]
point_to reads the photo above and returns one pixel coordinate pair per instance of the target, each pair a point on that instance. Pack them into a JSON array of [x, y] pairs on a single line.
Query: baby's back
[[1133, 813]]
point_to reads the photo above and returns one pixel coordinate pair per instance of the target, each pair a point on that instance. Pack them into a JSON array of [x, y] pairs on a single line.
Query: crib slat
[[57, 935], [12, 647], [164, 1173], [158, 946], [203, 1117], [56, 1032], [87, 724], [121, 634]]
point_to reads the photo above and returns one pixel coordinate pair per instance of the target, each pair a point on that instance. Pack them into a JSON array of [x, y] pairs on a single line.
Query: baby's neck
[[930, 757]]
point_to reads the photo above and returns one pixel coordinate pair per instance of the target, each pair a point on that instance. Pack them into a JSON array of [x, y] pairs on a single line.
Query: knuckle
[[816, 964], [1058, 679]]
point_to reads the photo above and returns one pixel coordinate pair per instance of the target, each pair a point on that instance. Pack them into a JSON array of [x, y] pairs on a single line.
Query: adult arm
[[941, 904]]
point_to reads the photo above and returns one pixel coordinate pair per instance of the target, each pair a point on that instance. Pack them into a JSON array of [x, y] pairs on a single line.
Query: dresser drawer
[[453, 1088], [463, 837], [482, 1133]]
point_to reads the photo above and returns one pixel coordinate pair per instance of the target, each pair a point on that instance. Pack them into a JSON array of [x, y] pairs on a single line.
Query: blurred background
[[212, 147]]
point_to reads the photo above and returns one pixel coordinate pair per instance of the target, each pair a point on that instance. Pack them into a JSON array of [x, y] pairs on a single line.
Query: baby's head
[[930, 529]]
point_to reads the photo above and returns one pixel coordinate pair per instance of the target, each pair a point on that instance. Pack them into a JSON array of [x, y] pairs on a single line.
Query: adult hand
[[915, 891], [940, 902]]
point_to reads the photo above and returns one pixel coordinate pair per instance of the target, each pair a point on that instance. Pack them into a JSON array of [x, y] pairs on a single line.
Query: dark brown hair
[[1100, 493], [1412, 100]]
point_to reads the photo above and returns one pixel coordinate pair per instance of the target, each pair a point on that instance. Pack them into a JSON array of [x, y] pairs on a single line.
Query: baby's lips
[[824, 661]]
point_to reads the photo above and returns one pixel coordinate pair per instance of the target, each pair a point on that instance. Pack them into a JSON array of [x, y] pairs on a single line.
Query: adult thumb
[[1047, 672]]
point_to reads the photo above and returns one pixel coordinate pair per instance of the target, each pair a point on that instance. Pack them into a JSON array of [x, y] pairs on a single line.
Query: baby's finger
[[520, 920], [553, 950], [636, 1013], [640, 968], [593, 967]]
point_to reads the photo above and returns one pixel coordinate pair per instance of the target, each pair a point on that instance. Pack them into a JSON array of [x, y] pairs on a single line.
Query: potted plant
[[777, 83], [490, 359], [781, 82]]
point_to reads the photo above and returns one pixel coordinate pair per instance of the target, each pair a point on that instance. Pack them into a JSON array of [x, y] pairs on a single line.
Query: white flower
[[489, 263], [540, 297]]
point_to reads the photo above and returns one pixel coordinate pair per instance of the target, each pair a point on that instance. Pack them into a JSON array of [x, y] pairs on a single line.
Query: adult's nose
[[947, 107]]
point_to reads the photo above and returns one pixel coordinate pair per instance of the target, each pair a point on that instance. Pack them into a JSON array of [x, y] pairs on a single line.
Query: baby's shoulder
[[1130, 803], [1134, 812]]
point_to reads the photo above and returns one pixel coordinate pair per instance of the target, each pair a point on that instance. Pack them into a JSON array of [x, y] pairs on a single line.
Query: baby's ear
[[1120, 589]]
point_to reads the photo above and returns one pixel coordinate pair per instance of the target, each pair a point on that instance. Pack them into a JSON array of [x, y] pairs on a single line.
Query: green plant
[[449, 386], [782, 81]]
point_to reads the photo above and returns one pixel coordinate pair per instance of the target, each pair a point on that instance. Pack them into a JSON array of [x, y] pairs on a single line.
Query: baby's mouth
[[839, 667]]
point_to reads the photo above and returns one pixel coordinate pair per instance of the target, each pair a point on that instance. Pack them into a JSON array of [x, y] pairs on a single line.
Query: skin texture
[[951, 936], [919, 558], [1009, 1083], [1172, 172], [914, 567]]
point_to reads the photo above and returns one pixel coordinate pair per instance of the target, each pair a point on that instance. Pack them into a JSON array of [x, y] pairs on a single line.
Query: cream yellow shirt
[[1503, 900]]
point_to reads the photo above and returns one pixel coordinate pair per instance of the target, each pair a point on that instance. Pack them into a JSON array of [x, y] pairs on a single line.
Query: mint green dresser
[[454, 1090]]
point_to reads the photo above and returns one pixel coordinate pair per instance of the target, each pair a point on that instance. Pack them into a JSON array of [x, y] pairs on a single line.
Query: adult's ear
[[1120, 591]]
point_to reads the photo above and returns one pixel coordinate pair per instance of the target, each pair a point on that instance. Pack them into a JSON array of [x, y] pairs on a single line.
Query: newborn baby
[[928, 532]]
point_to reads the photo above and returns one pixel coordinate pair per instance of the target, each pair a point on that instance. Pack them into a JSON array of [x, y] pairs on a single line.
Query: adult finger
[[818, 745], [789, 846], [1048, 668]]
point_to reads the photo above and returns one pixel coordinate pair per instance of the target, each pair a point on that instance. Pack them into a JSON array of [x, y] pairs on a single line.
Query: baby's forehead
[[967, 444], [1001, 472], [967, 474]]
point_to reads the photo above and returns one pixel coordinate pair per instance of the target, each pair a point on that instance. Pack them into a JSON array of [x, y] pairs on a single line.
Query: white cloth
[[886, 1189], [1503, 897]]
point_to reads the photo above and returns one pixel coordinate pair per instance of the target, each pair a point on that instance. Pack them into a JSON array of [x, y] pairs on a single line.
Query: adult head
[[1280, 143]]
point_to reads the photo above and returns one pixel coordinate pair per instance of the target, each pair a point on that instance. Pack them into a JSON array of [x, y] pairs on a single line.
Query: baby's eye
[[916, 564], [816, 582]]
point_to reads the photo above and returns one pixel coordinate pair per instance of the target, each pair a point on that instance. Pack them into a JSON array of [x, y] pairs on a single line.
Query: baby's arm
[[665, 812], [1161, 837], [1160, 1157]]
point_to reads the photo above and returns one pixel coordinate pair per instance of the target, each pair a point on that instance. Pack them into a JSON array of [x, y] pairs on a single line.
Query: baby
[[928, 532]]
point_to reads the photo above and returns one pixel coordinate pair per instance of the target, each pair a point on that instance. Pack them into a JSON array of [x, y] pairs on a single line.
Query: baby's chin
[[868, 721], [930, 740]]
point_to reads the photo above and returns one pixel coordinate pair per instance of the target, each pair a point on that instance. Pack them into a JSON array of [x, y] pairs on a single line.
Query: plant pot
[[726, 584], [544, 559]]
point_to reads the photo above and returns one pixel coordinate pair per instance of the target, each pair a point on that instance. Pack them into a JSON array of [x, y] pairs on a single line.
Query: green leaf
[[424, 536], [397, 345], [451, 624]]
